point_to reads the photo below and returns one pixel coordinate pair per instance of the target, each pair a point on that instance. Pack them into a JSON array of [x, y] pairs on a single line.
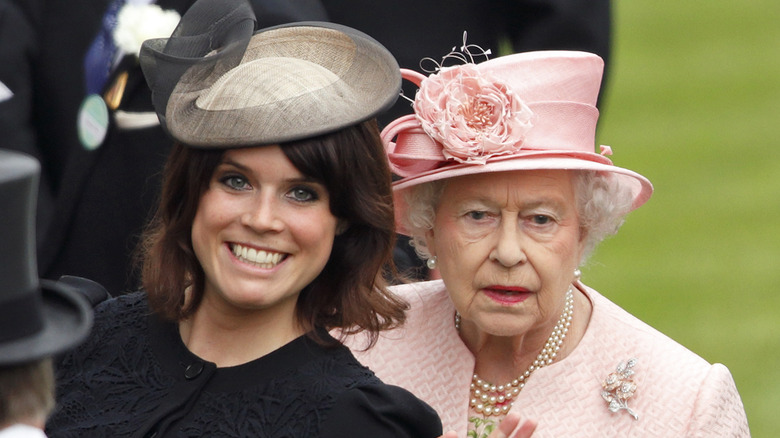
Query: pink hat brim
[[641, 188]]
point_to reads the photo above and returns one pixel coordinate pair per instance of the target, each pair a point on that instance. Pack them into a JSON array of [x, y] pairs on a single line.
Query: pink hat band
[[557, 126]]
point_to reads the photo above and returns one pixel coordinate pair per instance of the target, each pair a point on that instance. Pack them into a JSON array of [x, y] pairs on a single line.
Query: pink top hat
[[526, 111]]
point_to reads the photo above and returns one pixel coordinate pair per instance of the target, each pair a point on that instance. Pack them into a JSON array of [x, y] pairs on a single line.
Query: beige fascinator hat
[[217, 83], [525, 111]]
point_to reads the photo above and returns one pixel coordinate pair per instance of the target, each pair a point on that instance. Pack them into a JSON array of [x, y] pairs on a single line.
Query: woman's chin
[[502, 324]]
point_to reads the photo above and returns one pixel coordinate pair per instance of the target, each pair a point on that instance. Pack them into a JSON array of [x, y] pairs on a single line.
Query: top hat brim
[[67, 320]]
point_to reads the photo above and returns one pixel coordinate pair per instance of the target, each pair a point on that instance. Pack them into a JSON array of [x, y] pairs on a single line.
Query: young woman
[[274, 224]]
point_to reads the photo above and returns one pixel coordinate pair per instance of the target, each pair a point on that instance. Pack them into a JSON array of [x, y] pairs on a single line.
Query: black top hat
[[38, 318]]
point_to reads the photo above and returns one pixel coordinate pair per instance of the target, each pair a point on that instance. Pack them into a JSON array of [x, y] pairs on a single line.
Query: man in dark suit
[[95, 198], [38, 319], [416, 29]]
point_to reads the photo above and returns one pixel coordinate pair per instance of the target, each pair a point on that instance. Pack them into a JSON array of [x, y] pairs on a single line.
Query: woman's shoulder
[[425, 294], [663, 365], [354, 401], [121, 304], [670, 388], [373, 408], [93, 387], [119, 321], [121, 311], [418, 288], [430, 311], [379, 411], [615, 329]]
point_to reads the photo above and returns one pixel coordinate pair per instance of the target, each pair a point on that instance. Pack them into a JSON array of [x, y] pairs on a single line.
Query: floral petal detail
[[619, 387], [471, 114]]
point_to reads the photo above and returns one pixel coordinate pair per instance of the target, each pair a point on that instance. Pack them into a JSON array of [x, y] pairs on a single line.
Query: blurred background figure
[[415, 29], [38, 319], [16, 47], [80, 104]]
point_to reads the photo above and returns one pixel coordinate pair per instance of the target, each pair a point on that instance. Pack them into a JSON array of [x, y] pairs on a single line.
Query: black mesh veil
[[218, 83], [210, 40]]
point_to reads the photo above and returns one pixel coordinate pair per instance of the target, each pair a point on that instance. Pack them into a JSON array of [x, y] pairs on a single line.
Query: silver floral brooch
[[619, 387]]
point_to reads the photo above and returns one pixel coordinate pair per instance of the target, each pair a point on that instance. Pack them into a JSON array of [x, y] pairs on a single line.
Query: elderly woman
[[503, 194]]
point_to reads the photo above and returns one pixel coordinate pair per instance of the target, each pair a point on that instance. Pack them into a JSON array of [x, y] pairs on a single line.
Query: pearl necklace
[[489, 399]]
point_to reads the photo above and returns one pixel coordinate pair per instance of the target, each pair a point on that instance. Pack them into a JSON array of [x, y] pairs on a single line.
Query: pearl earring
[[577, 274], [431, 262]]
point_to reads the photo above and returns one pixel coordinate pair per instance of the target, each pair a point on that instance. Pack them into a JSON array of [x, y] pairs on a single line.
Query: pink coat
[[678, 393]]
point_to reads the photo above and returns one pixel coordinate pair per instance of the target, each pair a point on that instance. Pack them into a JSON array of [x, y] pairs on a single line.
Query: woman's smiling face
[[262, 232], [507, 245]]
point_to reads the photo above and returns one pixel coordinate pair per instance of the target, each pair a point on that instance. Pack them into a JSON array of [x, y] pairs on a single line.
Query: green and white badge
[[93, 122]]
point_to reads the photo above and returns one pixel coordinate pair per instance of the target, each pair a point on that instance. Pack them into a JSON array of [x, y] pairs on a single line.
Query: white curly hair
[[602, 204]]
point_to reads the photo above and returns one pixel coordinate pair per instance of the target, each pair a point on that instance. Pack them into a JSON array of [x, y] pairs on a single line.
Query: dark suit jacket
[[416, 29], [101, 198]]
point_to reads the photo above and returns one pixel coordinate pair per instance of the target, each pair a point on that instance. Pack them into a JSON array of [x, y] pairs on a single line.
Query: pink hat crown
[[520, 112], [511, 106]]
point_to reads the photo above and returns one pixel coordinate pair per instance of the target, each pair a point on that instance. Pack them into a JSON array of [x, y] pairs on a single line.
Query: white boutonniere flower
[[137, 23]]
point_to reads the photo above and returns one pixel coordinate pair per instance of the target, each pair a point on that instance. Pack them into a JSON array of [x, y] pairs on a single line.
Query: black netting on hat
[[217, 83], [210, 39]]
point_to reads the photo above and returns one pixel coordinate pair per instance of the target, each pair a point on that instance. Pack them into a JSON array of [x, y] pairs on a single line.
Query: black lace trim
[[119, 384]]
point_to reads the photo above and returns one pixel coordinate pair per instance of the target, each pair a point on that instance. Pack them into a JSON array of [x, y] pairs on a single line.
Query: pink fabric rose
[[471, 114]]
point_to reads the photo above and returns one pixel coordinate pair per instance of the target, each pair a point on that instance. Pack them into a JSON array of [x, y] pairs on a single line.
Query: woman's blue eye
[[235, 182], [477, 215], [541, 219], [301, 194]]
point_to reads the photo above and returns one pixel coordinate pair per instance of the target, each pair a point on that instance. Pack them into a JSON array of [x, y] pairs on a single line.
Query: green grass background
[[693, 103]]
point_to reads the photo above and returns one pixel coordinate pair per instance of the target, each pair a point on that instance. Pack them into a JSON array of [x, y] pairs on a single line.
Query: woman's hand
[[506, 427]]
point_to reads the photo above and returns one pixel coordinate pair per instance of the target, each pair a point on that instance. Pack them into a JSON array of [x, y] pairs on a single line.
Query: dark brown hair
[[351, 292]]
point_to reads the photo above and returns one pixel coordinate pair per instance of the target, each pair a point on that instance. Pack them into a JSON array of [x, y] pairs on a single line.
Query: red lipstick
[[506, 295]]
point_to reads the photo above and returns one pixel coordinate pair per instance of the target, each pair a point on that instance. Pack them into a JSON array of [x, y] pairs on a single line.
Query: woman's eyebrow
[[230, 162], [247, 169], [546, 201]]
